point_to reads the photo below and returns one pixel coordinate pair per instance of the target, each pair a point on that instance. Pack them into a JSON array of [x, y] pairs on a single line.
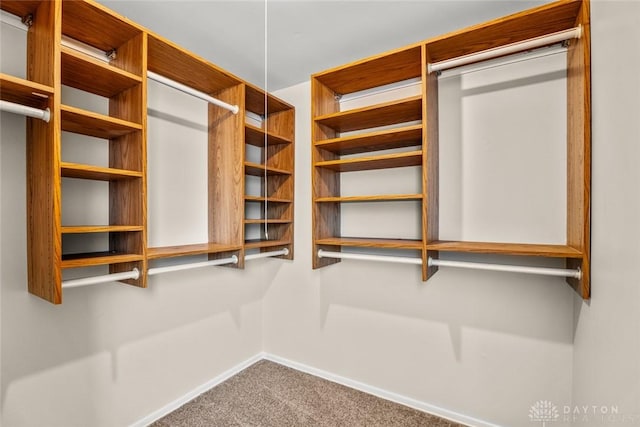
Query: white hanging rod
[[284, 252], [37, 113], [223, 261], [190, 91], [557, 272], [366, 257], [548, 39], [86, 281]]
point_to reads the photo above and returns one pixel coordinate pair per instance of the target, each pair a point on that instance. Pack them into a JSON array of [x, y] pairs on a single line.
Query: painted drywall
[[606, 368], [485, 345], [112, 354]]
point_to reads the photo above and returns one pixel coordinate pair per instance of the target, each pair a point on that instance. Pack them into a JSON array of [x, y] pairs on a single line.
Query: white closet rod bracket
[[536, 42], [37, 113], [284, 252], [87, 281], [190, 91], [366, 257], [556, 272], [222, 261]]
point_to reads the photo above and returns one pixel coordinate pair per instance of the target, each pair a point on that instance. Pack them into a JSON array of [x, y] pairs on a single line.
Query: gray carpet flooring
[[267, 394]]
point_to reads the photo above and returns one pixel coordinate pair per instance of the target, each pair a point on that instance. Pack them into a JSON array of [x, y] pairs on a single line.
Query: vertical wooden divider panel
[[226, 172], [44, 241], [579, 151], [127, 198], [324, 182], [430, 162]]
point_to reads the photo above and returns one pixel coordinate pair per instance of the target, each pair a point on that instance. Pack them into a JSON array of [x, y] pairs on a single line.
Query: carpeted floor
[[271, 395]]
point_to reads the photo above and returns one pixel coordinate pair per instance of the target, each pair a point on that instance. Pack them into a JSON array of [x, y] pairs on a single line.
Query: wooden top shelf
[[256, 169], [97, 26], [80, 229], [97, 258], [25, 92], [255, 101], [257, 243], [388, 113], [407, 136], [89, 123], [74, 170], [268, 221], [379, 70], [255, 136], [20, 8], [262, 199], [386, 161], [522, 249], [92, 75], [373, 198], [371, 242], [187, 250]]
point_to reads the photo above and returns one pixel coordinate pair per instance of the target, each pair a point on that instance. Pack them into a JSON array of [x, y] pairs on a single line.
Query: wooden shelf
[[262, 199], [89, 123], [396, 160], [268, 221], [381, 140], [257, 243], [255, 136], [81, 229], [522, 249], [256, 169], [21, 91], [388, 113], [75, 170], [255, 101], [92, 75], [97, 258], [374, 198], [371, 242], [20, 8], [379, 70], [187, 250], [96, 25]]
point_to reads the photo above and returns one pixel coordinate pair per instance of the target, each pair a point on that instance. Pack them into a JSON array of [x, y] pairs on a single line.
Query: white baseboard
[[366, 388], [383, 394], [172, 406]]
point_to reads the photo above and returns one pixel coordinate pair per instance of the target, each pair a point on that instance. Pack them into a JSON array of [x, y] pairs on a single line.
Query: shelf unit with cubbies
[[91, 51], [331, 144]]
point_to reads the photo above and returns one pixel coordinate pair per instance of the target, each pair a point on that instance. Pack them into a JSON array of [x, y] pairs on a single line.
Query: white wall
[[112, 354], [607, 337], [484, 345]]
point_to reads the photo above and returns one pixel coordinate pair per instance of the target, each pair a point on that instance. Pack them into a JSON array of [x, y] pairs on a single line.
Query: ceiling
[[303, 37]]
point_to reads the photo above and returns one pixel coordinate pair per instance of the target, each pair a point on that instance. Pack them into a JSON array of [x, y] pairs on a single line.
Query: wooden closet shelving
[[84, 45], [411, 63]]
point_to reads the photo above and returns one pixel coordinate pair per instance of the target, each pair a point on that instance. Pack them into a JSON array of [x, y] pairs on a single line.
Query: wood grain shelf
[[362, 242], [188, 250], [21, 91], [407, 136], [258, 243], [256, 169], [373, 198], [81, 229], [75, 170], [20, 8], [255, 98], [388, 113], [268, 221], [521, 249], [396, 160], [97, 258], [262, 199], [92, 75], [255, 136], [89, 123]]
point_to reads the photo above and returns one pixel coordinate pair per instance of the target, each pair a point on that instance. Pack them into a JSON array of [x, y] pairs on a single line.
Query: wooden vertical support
[[324, 182], [127, 198], [281, 156], [226, 171], [579, 151], [430, 161], [44, 239]]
